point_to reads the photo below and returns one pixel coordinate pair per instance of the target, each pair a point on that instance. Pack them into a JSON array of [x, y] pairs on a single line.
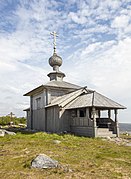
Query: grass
[[80, 157]]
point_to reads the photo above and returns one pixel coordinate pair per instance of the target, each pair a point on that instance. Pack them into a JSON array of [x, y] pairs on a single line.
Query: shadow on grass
[[23, 130], [19, 130]]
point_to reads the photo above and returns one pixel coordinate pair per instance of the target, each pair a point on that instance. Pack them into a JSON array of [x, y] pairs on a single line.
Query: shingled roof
[[85, 98], [62, 84], [53, 84], [94, 99]]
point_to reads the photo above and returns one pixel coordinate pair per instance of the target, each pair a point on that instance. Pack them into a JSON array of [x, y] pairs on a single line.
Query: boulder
[[43, 161], [128, 144], [2, 133], [56, 141], [10, 133], [108, 138]]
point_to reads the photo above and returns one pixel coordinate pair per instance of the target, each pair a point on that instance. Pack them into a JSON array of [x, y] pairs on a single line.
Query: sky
[[94, 42]]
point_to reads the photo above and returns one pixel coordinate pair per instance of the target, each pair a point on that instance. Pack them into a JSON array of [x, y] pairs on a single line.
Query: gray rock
[[2, 133], [43, 161], [10, 133], [128, 144], [56, 141], [108, 137]]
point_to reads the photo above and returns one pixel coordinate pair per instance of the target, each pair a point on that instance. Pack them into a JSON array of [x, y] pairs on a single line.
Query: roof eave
[[102, 107], [60, 87], [34, 91], [110, 107], [48, 106], [28, 109]]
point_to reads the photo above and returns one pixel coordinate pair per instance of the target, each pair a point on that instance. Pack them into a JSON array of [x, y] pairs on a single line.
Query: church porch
[[89, 122], [107, 124]]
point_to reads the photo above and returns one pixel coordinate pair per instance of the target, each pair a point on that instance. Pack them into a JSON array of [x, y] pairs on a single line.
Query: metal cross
[[11, 115], [54, 41]]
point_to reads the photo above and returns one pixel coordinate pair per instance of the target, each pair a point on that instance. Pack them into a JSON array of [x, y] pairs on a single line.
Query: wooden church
[[59, 106]]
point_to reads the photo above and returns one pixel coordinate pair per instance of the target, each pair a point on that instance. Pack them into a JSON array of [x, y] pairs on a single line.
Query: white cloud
[[76, 18], [107, 72], [121, 21], [94, 39]]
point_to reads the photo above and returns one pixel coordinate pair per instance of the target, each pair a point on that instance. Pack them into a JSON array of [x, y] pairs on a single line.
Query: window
[[74, 113], [38, 103], [82, 112]]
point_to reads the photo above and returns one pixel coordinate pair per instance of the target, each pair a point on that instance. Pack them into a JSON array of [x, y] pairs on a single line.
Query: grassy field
[[79, 157]]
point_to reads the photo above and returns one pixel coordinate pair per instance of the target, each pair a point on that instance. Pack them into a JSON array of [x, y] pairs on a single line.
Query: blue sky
[[94, 42]]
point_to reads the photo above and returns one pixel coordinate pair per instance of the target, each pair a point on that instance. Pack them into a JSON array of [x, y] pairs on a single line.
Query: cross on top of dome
[[55, 61], [54, 34]]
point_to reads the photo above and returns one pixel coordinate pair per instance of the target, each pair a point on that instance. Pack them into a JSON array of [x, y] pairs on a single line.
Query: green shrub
[[5, 120]]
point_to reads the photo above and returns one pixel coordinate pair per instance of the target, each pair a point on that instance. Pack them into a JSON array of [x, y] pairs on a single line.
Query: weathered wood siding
[[28, 119], [82, 126], [53, 93], [38, 119], [81, 121], [64, 119], [42, 97], [53, 123], [82, 131], [57, 120]]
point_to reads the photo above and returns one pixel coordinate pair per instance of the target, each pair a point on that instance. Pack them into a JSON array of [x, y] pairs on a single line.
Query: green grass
[[80, 157]]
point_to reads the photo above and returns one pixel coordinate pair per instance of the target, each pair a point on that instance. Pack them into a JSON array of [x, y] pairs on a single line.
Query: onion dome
[[55, 61]]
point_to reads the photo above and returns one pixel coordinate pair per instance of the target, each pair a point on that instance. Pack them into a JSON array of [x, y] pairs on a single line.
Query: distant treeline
[[6, 120]]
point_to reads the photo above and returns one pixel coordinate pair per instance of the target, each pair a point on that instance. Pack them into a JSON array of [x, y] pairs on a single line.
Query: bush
[[5, 120]]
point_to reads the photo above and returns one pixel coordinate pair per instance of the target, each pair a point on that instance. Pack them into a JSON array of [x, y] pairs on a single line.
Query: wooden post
[[78, 113], [116, 122], [87, 116], [109, 113], [99, 114], [94, 121]]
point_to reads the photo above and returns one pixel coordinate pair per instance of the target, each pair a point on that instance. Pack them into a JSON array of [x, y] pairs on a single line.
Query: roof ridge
[[76, 96], [69, 85]]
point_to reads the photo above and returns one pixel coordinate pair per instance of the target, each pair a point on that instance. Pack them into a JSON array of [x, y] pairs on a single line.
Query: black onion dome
[[55, 60]]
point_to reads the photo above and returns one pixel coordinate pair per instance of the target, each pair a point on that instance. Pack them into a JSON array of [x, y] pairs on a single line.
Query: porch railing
[[105, 123]]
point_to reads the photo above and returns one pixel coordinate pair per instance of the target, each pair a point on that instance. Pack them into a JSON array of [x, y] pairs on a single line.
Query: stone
[[44, 161], [2, 133], [10, 133], [128, 144], [108, 138], [56, 141]]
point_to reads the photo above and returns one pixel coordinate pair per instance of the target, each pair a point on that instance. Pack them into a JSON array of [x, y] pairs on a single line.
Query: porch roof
[[85, 98], [94, 99]]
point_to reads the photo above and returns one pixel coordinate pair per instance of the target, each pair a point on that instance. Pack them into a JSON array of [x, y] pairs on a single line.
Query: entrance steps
[[105, 132]]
